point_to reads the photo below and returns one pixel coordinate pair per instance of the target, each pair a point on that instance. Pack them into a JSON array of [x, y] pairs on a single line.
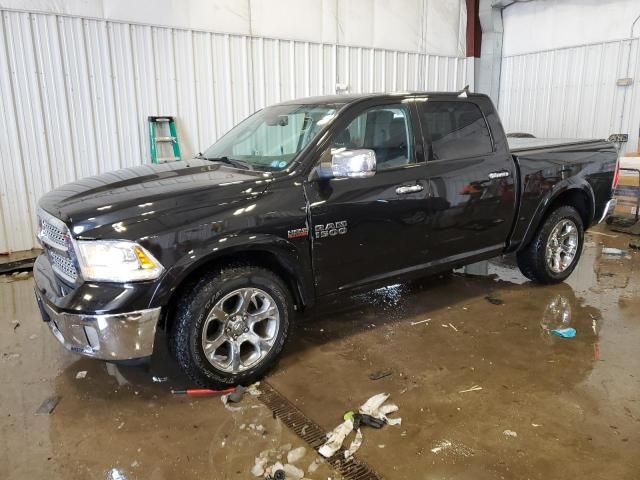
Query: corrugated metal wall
[[572, 92], [75, 94]]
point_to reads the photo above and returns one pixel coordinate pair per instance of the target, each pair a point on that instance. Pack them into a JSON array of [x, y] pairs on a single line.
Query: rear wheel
[[555, 249], [231, 326]]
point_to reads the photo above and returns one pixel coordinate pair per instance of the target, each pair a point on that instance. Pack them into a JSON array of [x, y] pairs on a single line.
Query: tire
[[187, 338], [532, 260]]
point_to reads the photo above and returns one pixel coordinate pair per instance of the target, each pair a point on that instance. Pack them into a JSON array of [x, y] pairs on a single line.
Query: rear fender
[[561, 188]]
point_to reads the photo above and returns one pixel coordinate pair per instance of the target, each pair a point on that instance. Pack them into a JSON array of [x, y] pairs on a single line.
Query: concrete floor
[[574, 404], [15, 256]]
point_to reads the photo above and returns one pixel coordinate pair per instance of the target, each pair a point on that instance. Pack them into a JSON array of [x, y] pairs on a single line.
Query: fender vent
[[313, 434]]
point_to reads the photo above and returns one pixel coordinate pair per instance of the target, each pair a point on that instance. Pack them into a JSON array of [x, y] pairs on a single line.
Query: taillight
[[616, 175]]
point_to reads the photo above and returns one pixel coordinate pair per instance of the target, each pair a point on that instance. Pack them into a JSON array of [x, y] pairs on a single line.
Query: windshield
[[270, 139]]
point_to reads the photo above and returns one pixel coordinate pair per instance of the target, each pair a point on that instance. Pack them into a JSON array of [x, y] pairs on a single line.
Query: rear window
[[456, 129]]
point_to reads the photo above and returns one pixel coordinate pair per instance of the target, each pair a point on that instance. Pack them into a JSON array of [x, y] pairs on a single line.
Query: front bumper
[[109, 321], [120, 336], [608, 209]]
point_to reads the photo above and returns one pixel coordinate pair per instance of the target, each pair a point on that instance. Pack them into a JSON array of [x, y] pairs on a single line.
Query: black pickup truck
[[299, 201]]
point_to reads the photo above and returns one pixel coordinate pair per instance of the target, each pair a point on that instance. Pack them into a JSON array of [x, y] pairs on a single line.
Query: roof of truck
[[344, 99]]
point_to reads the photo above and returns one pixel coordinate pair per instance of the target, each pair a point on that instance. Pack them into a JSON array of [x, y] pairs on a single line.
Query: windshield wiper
[[234, 162]]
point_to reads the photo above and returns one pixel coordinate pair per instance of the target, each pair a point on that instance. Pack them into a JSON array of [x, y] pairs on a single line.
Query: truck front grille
[[56, 242], [53, 235], [63, 266]]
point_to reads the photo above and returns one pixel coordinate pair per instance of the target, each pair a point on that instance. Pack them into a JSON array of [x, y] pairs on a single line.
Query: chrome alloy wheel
[[562, 246], [240, 330]]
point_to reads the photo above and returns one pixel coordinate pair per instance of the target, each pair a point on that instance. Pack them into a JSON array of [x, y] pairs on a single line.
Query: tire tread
[[190, 303], [531, 259]]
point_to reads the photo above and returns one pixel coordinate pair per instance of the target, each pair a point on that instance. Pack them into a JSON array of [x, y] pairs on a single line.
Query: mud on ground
[[534, 406]]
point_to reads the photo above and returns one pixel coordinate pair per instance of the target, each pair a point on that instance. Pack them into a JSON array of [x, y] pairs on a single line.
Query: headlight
[[116, 261]]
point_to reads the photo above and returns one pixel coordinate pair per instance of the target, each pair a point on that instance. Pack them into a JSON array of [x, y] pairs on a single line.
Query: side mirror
[[345, 163]]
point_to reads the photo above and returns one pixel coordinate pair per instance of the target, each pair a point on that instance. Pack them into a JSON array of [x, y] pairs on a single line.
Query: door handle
[[409, 189], [500, 174]]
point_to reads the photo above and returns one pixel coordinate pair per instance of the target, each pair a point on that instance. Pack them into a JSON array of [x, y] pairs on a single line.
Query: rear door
[[365, 229], [471, 182]]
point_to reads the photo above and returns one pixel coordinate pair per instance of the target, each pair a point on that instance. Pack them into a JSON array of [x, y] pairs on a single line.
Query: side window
[[457, 129], [385, 130]]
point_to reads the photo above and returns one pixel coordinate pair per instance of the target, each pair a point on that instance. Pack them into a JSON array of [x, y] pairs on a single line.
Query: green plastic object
[[348, 415], [155, 138]]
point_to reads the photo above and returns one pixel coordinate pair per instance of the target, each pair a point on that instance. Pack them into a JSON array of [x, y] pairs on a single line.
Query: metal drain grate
[[313, 434]]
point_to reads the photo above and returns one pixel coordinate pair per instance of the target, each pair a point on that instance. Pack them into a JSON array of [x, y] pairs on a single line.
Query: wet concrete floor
[[543, 407]]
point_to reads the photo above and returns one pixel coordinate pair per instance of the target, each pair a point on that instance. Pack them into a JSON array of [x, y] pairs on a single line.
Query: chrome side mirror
[[345, 163]]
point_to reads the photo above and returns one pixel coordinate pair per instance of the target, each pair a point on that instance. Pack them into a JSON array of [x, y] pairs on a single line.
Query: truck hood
[[133, 193]]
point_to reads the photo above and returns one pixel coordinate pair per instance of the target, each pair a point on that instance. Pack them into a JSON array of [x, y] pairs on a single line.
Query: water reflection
[[557, 314], [116, 474]]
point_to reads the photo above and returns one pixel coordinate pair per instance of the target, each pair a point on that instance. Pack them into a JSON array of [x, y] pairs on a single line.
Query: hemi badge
[[298, 232]]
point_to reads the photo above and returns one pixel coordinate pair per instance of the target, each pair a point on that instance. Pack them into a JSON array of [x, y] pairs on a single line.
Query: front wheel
[[555, 249], [231, 326]]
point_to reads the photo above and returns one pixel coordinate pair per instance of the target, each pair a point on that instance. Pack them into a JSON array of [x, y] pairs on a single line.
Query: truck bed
[[520, 145], [548, 166]]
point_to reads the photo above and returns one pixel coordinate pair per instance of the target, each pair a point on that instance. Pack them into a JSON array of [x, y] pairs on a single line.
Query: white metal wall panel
[[51, 77], [77, 89], [13, 192], [29, 119], [572, 92], [186, 92], [125, 95], [75, 94]]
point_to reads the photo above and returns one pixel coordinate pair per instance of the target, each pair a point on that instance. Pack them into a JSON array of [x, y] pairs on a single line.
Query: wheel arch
[[273, 254], [580, 196]]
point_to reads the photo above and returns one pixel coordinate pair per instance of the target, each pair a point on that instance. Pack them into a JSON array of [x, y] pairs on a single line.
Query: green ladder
[[156, 137]]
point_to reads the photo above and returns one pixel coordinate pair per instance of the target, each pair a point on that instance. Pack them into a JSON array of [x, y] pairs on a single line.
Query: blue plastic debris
[[564, 332]]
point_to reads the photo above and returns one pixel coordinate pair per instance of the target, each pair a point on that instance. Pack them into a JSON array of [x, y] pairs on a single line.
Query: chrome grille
[[54, 237], [63, 265], [51, 234]]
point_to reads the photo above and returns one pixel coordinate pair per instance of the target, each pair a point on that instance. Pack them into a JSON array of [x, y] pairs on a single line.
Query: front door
[[365, 229]]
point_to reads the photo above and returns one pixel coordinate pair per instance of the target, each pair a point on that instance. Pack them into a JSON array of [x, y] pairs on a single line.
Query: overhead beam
[[474, 30]]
